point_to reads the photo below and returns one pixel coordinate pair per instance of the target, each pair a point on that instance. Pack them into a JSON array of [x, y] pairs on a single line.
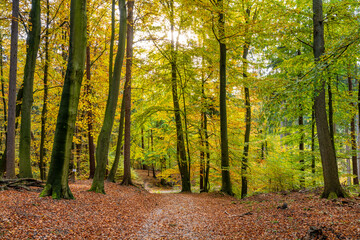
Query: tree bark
[[119, 144], [57, 182], [244, 180], [301, 147], [10, 140], [332, 187], [225, 167], [129, 57], [32, 47], [353, 137], [182, 160], [331, 115], [89, 116], [42, 165], [102, 149], [2, 86]]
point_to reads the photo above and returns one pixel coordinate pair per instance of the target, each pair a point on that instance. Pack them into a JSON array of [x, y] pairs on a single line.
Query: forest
[[240, 98]]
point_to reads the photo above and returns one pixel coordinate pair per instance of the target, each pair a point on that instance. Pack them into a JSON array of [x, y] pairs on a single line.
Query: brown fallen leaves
[[133, 213]]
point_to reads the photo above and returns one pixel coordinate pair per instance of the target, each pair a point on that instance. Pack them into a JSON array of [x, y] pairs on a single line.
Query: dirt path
[[176, 217]]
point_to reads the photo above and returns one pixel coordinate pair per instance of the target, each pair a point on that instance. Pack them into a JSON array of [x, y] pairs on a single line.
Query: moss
[[332, 195]]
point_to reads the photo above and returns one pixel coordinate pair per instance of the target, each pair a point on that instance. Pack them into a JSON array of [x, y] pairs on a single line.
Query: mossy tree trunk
[[332, 187], [57, 182], [32, 46], [102, 148]]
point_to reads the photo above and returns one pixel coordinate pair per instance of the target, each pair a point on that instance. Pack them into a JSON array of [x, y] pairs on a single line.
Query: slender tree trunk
[[207, 166], [331, 115], [2, 87], [10, 140], [102, 148], [244, 180], [42, 165], [353, 137], [152, 150], [31, 54], [225, 167], [57, 182], [119, 144], [313, 123], [332, 187], [129, 56], [2, 159], [202, 152], [89, 115], [301, 147], [182, 160]]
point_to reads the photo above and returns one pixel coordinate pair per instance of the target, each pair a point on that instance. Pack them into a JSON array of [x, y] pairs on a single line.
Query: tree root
[[22, 183]]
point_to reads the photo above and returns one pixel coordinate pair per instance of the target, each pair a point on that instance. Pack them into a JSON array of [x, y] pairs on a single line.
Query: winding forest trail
[[134, 213]]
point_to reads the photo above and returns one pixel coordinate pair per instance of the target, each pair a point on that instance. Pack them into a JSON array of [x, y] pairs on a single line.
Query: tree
[[182, 161], [225, 167], [127, 93], [102, 148], [46, 89], [332, 187], [31, 54], [10, 137], [57, 182]]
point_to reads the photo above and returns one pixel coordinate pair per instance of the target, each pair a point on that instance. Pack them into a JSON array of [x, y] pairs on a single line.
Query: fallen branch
[[22, 183]]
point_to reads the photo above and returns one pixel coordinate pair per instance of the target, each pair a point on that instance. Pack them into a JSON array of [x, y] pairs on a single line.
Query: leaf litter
[[133, 213]]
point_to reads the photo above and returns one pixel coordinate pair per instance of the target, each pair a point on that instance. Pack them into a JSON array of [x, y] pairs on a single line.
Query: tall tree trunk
[[57, 182], [332, 187], [102, 148], [2, 84], [119, 144], [17, 114], [89, 116], [181, 152], [129, 56], [42, 166], [2, 159], [225, 167], [244, 180], [32, 46], [10, 140], [353, 137]]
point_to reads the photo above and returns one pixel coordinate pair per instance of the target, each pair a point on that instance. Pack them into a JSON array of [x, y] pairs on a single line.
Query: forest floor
[[134, 213]]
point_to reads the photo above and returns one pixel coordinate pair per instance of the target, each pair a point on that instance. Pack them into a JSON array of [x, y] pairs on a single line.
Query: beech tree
[[127, 93], [102, 148], [57, 181], [31, 54], [10, 136], [332, 187]]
